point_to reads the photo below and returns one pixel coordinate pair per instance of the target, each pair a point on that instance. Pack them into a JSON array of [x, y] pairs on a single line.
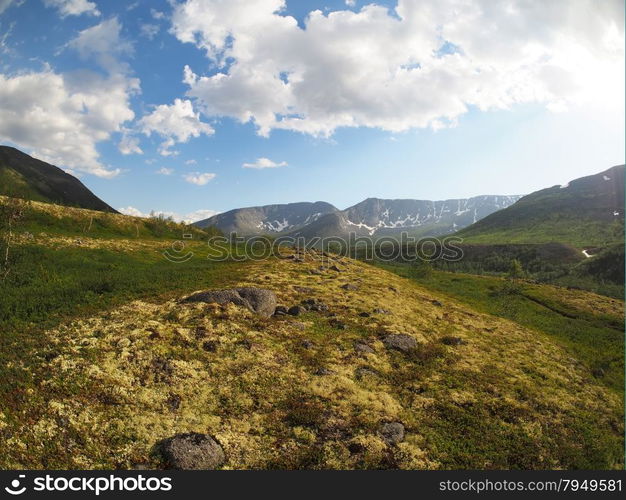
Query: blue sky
[[363, 99]]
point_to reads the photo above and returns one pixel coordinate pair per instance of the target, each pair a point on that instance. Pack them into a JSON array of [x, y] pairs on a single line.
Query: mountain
[[372, 216], [588, 211], [386, 217], [23, 176], [268, 219]]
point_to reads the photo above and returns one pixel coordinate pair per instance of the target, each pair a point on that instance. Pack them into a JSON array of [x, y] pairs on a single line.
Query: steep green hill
[[589, 211], [25, 177]]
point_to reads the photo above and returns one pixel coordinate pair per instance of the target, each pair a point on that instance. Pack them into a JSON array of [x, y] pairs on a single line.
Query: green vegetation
[[100, 360], [593, 335]]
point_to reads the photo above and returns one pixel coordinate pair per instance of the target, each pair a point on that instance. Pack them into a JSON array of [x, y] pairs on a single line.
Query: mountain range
[[23, 176], [370, 217]]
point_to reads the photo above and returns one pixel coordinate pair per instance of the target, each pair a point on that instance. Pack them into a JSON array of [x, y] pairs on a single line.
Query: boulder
[[400, 342], [392, 432], [257, 300], [192, 451]]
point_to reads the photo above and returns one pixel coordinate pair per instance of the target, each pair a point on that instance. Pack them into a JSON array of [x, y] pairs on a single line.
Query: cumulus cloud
[[129, 145], [422, 64], [165, 171], [198, 178], [61, 117], [261, 163], [186, 218], [73, 7], [176, 123]]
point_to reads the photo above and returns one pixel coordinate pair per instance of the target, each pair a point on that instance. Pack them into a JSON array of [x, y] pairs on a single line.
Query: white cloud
[[61, 117], [156, 14], [422, 65], [131, 211], [350, 3], [4, 5], [73, 7], [191, 162], [177, 122], [198, 178], [165, 171], [186, 218], [261, 163], [198, 215], [149, 30], [129, 145]]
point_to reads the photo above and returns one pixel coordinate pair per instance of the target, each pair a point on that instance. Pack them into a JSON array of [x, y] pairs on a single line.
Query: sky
[[194, 107]]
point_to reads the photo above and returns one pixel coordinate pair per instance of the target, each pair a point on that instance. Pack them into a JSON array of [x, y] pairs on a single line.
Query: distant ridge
[[26, 177], [373, 216]]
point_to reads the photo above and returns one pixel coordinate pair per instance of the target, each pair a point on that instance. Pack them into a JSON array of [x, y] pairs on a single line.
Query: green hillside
[[587, 212], [26, 177]]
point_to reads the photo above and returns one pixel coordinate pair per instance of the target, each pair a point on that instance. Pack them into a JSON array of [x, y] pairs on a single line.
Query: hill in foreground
[[381, 373], [26, 177]]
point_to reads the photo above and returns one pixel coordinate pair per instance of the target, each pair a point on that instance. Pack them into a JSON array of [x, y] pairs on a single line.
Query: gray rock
[[335, 323], [392, 432], [349, 286], [400, 341], [362, 348], [363, 371], [450, 340], [303, 289], [323, 371], [296, 310], [364, 314], [280, 311], [192, 451], [257, 300], [380, 310], [307, 344]]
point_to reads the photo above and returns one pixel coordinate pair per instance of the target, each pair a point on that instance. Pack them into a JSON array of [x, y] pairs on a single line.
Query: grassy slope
[[590, 326], [97, 350]]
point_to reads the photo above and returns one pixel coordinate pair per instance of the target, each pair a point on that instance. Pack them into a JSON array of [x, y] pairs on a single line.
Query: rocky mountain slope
[[25, 177], [373, 216], [268, 219], [587, 211]]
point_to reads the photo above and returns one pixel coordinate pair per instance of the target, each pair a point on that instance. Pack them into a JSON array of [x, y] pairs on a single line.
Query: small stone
[[364, 314], [362, 348], [450, 340], [380, 310], [392, 432], [296, 310], [173, 402], [307, 344], [335, 268], [400, 341], [335, 323], [303, 289], [363, 371], [280, 311], [192, 451], [210, 345], [436, 303], [200, 332], [323, 371], [349, 286]]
